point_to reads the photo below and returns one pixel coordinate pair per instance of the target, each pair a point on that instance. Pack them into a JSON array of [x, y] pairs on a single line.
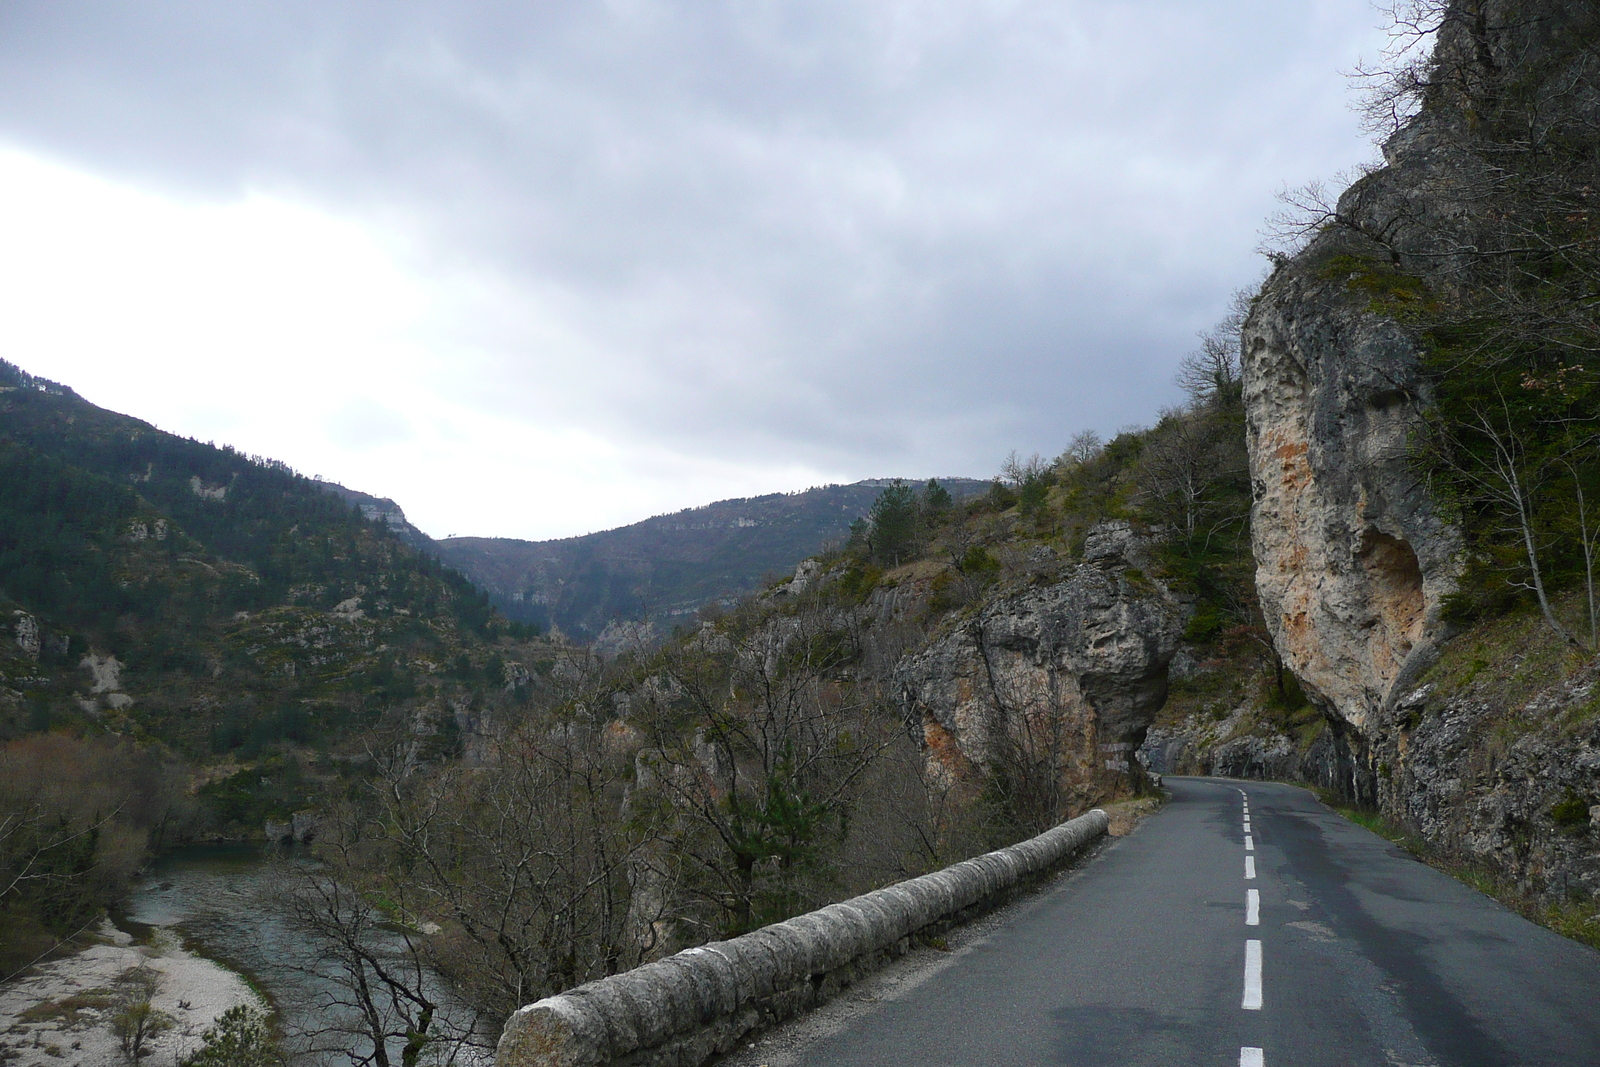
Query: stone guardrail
[[680, 1011]]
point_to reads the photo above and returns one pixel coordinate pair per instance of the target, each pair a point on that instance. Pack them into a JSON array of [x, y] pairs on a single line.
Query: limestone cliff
[[1068, 672], [1487, 757], [1352, 557]]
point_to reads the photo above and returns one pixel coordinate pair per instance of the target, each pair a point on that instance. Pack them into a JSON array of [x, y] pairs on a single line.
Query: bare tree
[[1188, 462], [525, 864], [1019, 471], [1083, 448], [379, 1001], [1501, 460], [1211, 373], [756, 750]]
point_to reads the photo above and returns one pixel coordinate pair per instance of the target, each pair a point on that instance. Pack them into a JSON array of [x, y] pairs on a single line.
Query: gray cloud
[[863, 236]]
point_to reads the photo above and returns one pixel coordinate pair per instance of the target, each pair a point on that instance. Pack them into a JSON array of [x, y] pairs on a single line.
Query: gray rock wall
[[689, 1007], [1240, 747], [1078, 666], [1480, 781]]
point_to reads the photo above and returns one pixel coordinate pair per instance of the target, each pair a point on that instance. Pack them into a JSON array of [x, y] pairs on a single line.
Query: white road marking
[[1247, 824], [1249, 867], [1252, 976], [1249, 843], [1252, 1057], [1252, 908]]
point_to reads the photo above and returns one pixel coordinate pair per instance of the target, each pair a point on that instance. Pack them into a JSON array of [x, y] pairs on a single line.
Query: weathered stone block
[[691, 1006]]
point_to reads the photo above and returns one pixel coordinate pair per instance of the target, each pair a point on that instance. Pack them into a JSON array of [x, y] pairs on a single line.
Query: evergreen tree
[[895, 524]]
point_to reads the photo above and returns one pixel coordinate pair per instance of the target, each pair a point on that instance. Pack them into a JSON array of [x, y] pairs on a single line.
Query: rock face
[[1071, 672], [1488, 786], [27, 633], [1352, 557], [1237, 746]]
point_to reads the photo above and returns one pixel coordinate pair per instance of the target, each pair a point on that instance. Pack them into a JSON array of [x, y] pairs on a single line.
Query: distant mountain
[[664, 569], [155, 586]]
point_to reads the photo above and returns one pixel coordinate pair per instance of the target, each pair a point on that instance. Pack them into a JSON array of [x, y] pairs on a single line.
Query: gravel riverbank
[[60, 1013]]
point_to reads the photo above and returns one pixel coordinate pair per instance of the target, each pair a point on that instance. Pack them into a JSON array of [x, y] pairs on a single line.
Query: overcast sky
[[540, 268]]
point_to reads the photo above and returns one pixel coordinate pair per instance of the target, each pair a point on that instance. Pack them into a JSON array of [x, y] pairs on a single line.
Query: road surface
[[1246, 924]]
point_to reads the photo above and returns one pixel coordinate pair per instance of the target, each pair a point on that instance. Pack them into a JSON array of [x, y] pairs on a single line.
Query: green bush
[[1572, 810], [977, 561], [242, 1037]]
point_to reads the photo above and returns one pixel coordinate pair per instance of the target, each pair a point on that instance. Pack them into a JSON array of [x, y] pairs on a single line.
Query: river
[[225, 902]]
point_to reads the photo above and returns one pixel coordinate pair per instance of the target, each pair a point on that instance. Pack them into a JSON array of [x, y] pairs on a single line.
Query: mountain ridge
[[664, 569]]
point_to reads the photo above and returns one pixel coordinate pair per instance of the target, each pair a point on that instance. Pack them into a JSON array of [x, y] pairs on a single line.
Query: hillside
[[950, 677], [666, 568], [221, 605], [1362, 555]]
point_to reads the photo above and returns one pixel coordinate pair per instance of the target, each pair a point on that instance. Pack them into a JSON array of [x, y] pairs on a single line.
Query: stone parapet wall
[[682, 1010]]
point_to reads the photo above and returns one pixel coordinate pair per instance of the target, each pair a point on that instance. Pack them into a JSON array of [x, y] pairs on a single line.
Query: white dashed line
[[1252, 976], [1249, 1056]]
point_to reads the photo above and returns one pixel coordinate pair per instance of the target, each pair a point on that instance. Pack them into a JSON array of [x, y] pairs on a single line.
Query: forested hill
[[157, 586], [666, 568]]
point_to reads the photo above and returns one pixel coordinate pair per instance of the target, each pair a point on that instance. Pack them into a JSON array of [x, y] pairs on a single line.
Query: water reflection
[[227, 903]]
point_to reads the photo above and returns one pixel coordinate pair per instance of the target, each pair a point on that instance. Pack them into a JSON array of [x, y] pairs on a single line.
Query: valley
[[639, 795]]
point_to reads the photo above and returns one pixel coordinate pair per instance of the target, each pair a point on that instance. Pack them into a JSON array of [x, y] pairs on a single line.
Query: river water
[[226, 903]]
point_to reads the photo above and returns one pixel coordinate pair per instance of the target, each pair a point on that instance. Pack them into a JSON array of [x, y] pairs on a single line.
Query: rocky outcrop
[[301, 829], [1072, 671], [1515, 792], [26, 629], [1242, 745], [1352, 557]]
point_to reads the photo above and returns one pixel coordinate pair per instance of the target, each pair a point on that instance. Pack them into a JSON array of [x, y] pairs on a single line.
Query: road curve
[[1356, 955]]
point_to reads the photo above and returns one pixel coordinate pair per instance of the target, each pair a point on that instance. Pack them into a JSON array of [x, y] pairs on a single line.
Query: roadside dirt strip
[[1351, 952]]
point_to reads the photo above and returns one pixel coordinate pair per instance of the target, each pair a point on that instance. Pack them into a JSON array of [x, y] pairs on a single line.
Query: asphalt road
[[1359, 955]]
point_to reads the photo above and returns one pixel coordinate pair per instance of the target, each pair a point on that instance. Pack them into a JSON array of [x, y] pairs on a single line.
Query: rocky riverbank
[[63, 1013]]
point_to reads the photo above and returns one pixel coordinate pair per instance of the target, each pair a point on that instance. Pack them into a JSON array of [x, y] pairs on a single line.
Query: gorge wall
[[1484, 740]]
